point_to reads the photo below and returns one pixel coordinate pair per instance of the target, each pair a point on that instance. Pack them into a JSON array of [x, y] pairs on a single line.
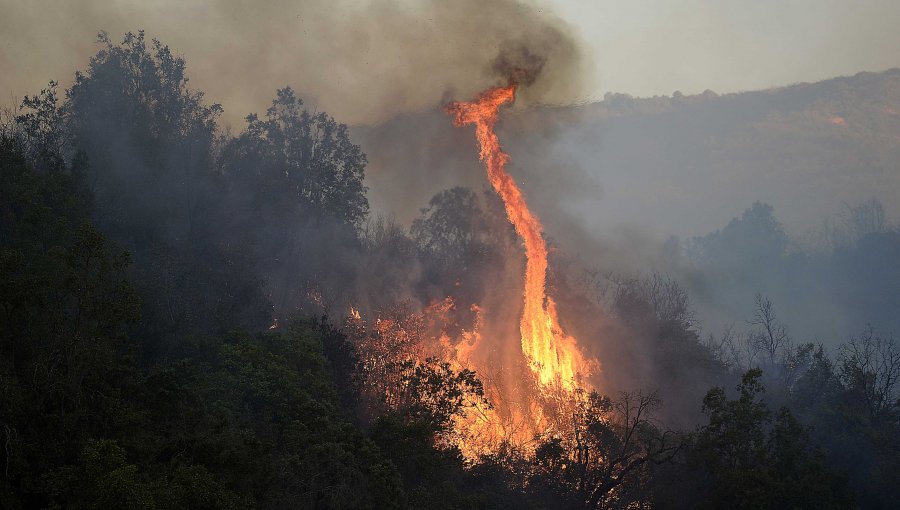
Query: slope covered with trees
[[172, 334]]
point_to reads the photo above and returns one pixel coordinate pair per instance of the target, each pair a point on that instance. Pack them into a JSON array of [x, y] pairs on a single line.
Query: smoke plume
[[363, 62]]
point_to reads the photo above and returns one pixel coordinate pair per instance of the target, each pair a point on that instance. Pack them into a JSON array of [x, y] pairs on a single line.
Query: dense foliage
[[163, 342]]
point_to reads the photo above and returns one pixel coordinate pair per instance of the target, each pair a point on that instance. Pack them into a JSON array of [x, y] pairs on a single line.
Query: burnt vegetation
[[174, 331]]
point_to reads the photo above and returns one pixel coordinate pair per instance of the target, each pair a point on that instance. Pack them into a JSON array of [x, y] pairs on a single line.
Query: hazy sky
[[646, 47], [240, 51]]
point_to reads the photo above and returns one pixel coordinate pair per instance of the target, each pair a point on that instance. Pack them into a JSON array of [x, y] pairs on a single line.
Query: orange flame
[[526, 400], [553, 356]]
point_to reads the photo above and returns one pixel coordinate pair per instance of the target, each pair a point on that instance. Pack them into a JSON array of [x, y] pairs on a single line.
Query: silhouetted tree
[[755, 238], [609, 459], [301, 157], [754, 463]]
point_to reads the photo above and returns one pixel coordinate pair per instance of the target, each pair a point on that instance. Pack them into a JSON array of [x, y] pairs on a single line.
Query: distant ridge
[[680, 164]]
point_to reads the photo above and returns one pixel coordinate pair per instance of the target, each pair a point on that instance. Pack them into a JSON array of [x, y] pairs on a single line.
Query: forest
[[192, 317]]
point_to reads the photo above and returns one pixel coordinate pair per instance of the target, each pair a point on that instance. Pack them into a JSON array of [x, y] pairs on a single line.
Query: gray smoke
[[361, 61]]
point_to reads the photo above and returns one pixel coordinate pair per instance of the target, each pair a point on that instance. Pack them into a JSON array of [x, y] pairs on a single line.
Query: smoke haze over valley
[[468, 254]]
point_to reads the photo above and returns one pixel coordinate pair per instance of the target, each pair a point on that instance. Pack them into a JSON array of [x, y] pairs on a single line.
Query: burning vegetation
[[553, 355], [509, 406], [191, 318]]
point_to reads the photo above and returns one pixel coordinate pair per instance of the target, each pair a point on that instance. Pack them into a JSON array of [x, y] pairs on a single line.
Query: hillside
[[667, 165]]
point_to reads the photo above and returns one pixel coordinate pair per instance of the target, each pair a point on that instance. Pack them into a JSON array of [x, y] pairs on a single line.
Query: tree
[[664, 334], [452, 229], [856, 222], [302, 158], [619, 448], [756, 237], [609, 459], [294, 186], [150, 141], [869, 366], [770, 347], [771, 338], [751, 462], [42, 128], [390, 266], [65, 306], [655, 299], [398, 375], [433, 392], [732, 446], [149, 138], [103, 478]]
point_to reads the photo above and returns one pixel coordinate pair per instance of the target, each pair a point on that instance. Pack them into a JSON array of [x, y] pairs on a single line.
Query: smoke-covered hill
[[624, 185], [677, 165]]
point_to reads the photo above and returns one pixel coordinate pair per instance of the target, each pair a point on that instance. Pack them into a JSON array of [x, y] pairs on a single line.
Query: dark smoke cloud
[[362, 62]]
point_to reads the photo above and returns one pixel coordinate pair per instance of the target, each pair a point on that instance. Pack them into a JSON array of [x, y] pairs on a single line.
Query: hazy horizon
[[240, 52]]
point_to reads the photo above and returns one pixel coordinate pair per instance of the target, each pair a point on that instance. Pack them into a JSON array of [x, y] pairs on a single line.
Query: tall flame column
[[554, 356]]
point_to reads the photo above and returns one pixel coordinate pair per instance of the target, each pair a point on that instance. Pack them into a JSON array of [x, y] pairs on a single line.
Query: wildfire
[[532, 395], [553, 355]]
